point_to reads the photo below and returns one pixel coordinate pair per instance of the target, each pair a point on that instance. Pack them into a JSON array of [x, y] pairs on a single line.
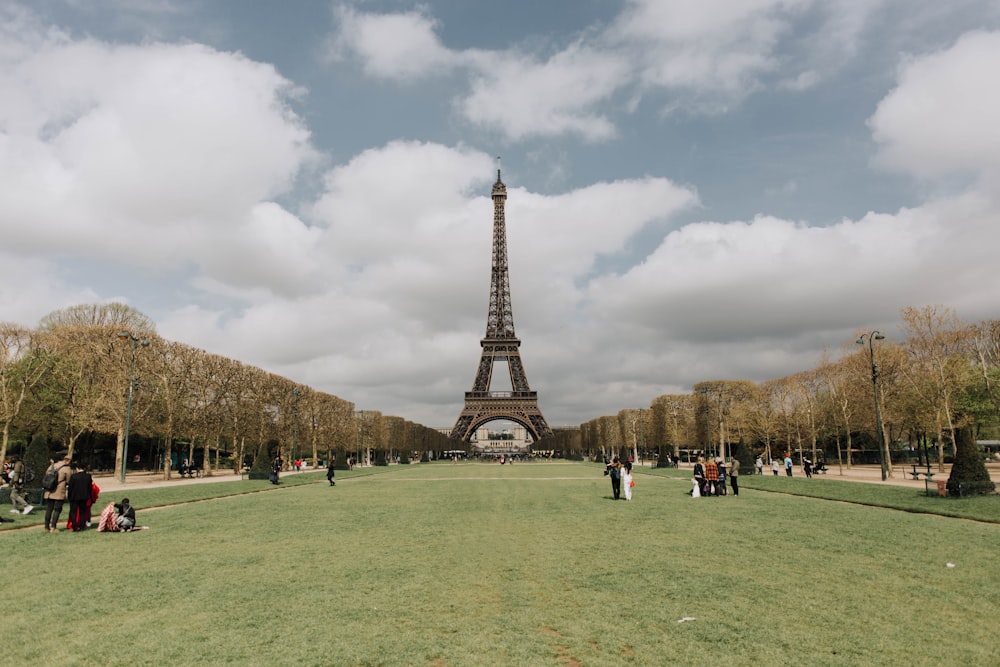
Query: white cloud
[[156, 155], [561, 95], [392, 46], [942, 116]]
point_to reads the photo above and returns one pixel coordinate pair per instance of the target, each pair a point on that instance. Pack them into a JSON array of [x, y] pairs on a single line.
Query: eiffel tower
[[500, 344]]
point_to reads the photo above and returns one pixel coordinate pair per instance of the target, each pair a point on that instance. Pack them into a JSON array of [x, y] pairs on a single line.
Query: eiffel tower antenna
[[500, 344]]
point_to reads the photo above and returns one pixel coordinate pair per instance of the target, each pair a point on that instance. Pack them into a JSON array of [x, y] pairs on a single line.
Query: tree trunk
[[119, 451]]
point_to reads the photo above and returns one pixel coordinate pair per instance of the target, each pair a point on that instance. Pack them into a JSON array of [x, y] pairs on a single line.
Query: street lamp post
[[871, 338], [295, 422], [125, 335], [361, 433]]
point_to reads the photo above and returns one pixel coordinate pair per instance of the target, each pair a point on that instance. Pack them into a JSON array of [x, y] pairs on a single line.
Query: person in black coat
[[78, 492], [329, 473]]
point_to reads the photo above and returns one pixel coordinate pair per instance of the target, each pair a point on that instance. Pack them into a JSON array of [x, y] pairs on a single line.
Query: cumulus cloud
[[705, 56], [393, 46], [941, 116], [111, 151]]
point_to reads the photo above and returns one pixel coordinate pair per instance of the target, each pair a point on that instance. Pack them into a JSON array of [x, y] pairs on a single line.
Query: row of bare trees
[[943, 376], [71, 376]]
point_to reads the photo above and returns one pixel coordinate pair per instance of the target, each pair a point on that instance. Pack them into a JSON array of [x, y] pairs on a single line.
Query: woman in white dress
[[627, 480]]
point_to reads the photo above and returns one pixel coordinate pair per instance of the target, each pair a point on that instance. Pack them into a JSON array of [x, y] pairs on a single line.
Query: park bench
[[189, 471]]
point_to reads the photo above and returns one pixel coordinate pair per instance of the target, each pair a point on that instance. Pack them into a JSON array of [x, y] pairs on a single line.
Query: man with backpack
[[18, 477], [54, 483]]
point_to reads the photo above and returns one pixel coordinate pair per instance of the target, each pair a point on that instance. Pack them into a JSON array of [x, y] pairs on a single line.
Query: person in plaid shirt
[[712, 477]]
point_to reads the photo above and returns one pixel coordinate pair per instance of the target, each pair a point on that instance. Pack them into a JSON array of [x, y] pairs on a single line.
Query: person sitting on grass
[[126, 515], [117, 517]]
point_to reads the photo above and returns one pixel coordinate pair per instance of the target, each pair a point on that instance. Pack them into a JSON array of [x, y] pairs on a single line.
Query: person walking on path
[[807, 468], [54, 499], [627, 481], [17, 481], [788, 465], [774, 466], [734, 475], [329, 473], [78, 491], [760, 465]]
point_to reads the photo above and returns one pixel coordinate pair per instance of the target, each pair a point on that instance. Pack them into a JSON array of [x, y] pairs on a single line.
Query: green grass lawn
[[530, 564]]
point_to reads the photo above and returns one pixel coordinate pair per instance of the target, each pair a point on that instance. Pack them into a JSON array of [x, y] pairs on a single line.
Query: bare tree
[[23, 365]]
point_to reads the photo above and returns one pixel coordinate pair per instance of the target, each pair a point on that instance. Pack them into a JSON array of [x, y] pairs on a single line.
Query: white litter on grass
[[949, 564], [686, 619]]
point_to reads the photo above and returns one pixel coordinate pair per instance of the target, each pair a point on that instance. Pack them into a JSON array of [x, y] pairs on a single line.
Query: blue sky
[[697, 190]]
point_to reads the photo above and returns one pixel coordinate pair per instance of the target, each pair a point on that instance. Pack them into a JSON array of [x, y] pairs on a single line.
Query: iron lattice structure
[[500, 344]]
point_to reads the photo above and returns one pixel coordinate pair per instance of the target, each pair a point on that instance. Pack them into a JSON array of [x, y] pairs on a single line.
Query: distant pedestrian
[[615, 472], [17, 481], [788, 465], [734, 475], [329, 473], [55, 498], [275, 469], [759, 463], [720, 488], [807, 468], [774, 466], [627, 481]]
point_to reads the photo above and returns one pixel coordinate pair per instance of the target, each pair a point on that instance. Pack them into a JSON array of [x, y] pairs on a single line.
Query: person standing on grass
[[720, 488], [699, 475], [711, 478], [275, 469], [17, 486], [759, 463], [615, 471], [627, 479], [54, 499], [329, 473], [788, 465], [734, 475], [78, 491]]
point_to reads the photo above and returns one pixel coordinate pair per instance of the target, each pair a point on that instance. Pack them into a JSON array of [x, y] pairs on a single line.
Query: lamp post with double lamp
[[125, 335], [871, 337]]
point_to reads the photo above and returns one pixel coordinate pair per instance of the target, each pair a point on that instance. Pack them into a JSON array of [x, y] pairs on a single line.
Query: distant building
[[513, 440]]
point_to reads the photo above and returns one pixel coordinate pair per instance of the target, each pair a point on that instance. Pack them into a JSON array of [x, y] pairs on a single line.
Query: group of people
[[620, 473], [65, 481], [710, 477], [808, 467]]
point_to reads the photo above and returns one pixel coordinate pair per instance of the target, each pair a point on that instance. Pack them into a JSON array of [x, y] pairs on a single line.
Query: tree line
[[941, 378], [70, 378]]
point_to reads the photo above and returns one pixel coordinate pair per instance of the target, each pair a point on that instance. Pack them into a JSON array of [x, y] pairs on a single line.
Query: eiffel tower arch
[[500, 344]]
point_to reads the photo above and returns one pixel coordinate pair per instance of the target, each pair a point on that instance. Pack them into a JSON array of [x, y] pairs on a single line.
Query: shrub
[[261, 468], [969, 476]]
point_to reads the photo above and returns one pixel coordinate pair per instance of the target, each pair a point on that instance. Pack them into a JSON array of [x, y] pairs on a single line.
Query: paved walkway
[[871, 474], [108, 483]]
